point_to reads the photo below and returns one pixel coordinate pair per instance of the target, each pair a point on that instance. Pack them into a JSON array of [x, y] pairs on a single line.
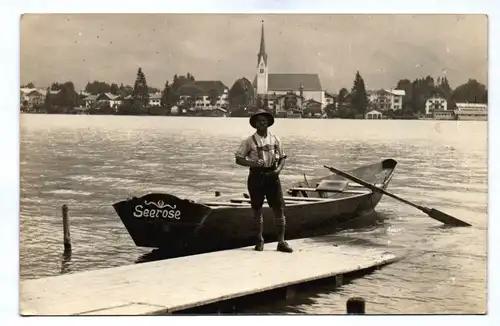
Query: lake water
[[90, 162]]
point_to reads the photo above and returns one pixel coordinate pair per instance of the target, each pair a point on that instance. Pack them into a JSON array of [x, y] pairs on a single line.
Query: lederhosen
[[260, 186]]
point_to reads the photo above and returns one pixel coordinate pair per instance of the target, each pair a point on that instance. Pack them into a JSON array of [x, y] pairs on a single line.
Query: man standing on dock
[[263, 153]]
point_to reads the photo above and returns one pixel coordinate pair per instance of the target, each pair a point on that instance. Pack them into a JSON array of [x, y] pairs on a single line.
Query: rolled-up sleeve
[[243, 150]]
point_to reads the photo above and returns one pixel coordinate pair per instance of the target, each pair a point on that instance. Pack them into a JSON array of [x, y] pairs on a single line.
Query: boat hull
[[224, 224]]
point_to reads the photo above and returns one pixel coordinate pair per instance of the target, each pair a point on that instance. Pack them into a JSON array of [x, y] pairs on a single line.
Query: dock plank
[[176, 284]]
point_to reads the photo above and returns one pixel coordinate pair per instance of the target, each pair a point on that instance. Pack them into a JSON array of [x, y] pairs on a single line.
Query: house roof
[[397, 92], [477, 111], [290, 81], [90, 98], [202, 87], [155, 96], [471, 105], [109, 96], [28, 91]]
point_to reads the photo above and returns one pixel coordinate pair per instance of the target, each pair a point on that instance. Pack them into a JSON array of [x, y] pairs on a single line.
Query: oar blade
[[445, 218]]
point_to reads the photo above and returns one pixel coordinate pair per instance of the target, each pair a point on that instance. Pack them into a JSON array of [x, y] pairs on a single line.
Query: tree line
[[356, 103]]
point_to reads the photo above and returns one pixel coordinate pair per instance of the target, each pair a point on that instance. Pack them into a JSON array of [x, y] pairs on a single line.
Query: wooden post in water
[[67, 237], [355, 306]]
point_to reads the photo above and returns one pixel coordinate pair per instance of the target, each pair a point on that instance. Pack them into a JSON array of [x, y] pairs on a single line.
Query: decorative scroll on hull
[[153, 220]]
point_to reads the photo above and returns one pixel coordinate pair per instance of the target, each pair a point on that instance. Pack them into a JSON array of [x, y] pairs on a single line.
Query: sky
[[384, 48]]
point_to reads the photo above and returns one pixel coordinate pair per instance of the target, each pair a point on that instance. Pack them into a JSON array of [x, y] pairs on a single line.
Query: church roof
[[290, 81]]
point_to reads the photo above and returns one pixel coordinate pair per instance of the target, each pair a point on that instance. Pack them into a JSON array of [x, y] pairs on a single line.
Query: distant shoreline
[[243, 117]]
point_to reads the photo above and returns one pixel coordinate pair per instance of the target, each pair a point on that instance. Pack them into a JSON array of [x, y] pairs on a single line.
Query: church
[[306, 88]]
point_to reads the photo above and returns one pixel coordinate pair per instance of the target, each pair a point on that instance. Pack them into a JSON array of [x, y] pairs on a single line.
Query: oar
[[432, 212]]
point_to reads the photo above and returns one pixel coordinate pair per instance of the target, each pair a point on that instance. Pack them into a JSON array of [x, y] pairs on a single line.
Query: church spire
[[262, 50]]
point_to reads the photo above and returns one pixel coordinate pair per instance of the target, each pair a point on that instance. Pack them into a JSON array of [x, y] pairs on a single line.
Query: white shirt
[[270, 148]]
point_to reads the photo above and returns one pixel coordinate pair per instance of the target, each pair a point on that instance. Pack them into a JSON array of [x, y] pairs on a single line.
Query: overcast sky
[[384, 48]]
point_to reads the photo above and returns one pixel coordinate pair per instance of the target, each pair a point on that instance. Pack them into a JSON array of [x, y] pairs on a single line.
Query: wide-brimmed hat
[[269, 116]]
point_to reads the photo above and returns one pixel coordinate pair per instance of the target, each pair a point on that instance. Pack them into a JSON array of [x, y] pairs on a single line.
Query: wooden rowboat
[[181, 226]]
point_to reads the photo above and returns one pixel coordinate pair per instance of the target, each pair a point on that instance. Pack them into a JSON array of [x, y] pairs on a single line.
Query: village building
[[90, 100], [204, 94], [435, 103], [443, 115], [272, 86], [387, 99], [471, 111], [373, 114], [108, 98], [155, 99], [32, 97]]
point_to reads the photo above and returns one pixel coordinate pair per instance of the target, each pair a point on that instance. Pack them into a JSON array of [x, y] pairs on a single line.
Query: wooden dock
[[167, 286]]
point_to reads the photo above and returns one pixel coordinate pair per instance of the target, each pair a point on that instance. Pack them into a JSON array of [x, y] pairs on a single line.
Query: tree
[[164, 100], [330, 110], [152, 90], [48, 103], [407, 86], [240, 94], [140, 94], [359, 98], [97, 87], [67, 96], [342, 97], [168, 96], [444, 90], [472, 91], [114, 89], [422, 89], [180, 81], [213, 95], [125, 91]]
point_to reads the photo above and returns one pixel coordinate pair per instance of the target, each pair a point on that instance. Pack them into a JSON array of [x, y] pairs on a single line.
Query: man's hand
[[247, 162]]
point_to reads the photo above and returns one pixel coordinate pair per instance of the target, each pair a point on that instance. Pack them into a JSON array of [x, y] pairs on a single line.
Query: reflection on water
[[90, 162]]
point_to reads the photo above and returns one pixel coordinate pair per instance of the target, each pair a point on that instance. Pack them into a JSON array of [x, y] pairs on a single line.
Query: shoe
[[259, 246], [284, 247]]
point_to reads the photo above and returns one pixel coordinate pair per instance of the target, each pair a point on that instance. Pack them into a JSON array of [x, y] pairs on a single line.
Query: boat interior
[[326, 190], [329, 188]]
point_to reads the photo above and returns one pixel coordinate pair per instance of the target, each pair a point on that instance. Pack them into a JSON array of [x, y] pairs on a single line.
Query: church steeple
[[262, 68], [262, 51]]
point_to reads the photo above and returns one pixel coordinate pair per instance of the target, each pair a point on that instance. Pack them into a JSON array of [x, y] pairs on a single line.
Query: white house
[[387, 99], [435, 103], [155, 99]]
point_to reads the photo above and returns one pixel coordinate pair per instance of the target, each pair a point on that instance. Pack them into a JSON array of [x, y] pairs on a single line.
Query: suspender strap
[[259, 149]]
